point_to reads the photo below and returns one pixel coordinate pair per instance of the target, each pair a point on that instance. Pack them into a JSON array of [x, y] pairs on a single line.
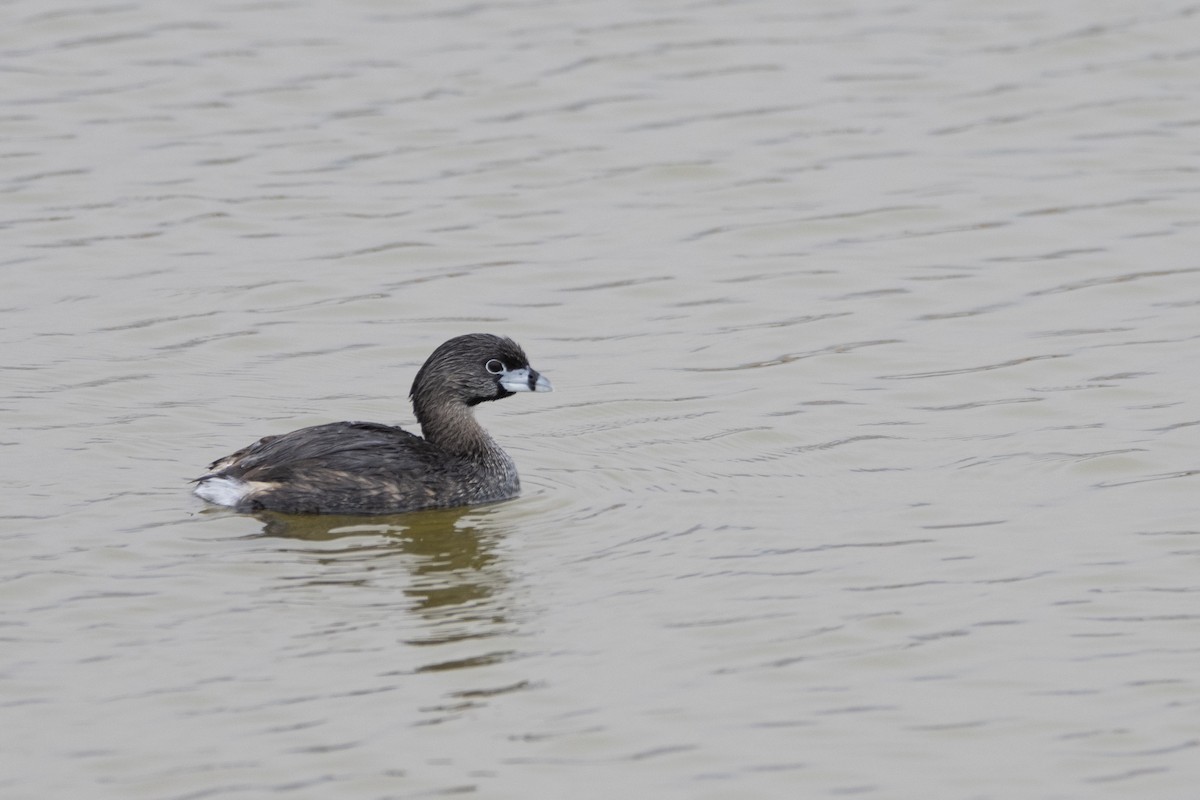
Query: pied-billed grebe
[[368, 468]]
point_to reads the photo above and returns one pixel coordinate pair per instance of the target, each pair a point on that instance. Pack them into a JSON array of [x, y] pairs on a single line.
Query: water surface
[[871, 467]]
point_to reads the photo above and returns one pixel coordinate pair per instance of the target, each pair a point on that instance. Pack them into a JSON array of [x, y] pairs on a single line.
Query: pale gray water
[[872, 465]]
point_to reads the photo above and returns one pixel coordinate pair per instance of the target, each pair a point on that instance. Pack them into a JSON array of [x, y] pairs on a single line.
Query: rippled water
[[872, 464]]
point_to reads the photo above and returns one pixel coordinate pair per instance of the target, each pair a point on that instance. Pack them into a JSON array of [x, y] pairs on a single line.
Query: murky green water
[[871, 467]]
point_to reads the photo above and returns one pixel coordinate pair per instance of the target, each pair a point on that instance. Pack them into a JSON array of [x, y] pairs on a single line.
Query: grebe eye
[[494, 366]]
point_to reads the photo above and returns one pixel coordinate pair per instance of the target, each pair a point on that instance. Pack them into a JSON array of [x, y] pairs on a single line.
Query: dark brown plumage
[[368, 468]]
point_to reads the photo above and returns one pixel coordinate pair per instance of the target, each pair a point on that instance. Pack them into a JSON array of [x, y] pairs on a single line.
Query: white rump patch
[[223, 491]]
